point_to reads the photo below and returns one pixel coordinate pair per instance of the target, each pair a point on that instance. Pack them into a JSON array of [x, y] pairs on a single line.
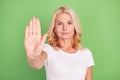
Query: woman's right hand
[[33, 41]]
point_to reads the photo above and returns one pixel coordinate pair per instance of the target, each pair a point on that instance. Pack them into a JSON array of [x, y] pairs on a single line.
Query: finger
[[43, 39], [30, 27], [42, 43], [38, 28], [34, 25], [27, 32]]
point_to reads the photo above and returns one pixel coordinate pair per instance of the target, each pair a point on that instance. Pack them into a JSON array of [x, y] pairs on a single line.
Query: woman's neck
[[65, 44]]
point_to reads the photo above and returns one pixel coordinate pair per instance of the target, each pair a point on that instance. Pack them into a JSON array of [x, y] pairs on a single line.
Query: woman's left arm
[[89, 73]]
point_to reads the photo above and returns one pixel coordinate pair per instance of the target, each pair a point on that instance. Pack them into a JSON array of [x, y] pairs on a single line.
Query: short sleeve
[[90, 60], [49, 50], [46, 48]]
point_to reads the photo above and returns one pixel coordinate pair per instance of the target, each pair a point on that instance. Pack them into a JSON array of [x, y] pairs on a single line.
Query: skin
[[64, 29], [34, 42]]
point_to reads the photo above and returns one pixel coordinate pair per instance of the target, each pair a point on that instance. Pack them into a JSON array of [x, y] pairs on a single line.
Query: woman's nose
[[65, 27]]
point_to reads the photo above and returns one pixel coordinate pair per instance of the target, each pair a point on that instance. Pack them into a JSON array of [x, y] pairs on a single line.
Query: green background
[[100, 23]]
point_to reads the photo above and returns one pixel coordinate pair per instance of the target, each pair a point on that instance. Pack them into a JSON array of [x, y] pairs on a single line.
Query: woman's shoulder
[[85, 52], [48, 47], [81, 47], [84, 49]]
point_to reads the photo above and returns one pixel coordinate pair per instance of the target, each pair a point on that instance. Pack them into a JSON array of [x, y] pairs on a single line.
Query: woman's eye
[[69, 23], [59, 23]]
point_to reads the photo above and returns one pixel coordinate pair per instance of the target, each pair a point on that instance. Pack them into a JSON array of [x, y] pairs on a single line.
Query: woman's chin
[[66, 37]]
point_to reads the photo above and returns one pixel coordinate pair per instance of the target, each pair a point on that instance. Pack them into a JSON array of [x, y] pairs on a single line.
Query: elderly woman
[[63, 56]]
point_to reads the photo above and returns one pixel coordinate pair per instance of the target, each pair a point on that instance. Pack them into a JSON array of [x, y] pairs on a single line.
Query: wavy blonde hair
[[53, 38]]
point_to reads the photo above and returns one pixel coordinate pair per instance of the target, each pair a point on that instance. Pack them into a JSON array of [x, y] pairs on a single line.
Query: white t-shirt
[[61, 65]]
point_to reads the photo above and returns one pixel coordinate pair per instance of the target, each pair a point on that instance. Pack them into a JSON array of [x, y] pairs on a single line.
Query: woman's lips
[[64, 32]]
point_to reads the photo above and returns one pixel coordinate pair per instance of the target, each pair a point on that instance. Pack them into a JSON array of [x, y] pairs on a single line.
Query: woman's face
[[64, 27]]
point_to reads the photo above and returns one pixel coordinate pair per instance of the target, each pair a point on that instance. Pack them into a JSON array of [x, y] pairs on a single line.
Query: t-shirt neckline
[[67, 53]]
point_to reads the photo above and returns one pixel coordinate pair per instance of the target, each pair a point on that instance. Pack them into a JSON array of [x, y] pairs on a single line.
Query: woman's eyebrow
[[70, 20], [61, 20], [58, 21]]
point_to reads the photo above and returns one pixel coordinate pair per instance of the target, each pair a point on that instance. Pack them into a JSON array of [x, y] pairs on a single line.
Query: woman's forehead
[[63, 16]]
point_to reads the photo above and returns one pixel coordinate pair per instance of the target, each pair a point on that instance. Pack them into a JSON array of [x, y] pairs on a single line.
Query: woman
[[62, 56]]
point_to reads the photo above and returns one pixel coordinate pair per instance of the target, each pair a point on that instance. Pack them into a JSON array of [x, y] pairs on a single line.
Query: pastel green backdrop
[[100, 24]]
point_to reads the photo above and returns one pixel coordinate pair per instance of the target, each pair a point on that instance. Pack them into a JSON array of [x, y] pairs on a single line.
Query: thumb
[[42, 41], [44, 38], [41, 44]]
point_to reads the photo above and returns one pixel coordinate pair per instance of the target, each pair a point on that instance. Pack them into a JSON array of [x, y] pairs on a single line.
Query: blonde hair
[[52, 37]]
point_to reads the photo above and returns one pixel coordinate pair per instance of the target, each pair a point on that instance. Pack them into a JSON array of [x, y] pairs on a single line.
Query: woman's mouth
[[65, 33]]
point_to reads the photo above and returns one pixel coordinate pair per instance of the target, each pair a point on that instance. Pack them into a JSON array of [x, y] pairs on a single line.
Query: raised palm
[[34, 42]]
